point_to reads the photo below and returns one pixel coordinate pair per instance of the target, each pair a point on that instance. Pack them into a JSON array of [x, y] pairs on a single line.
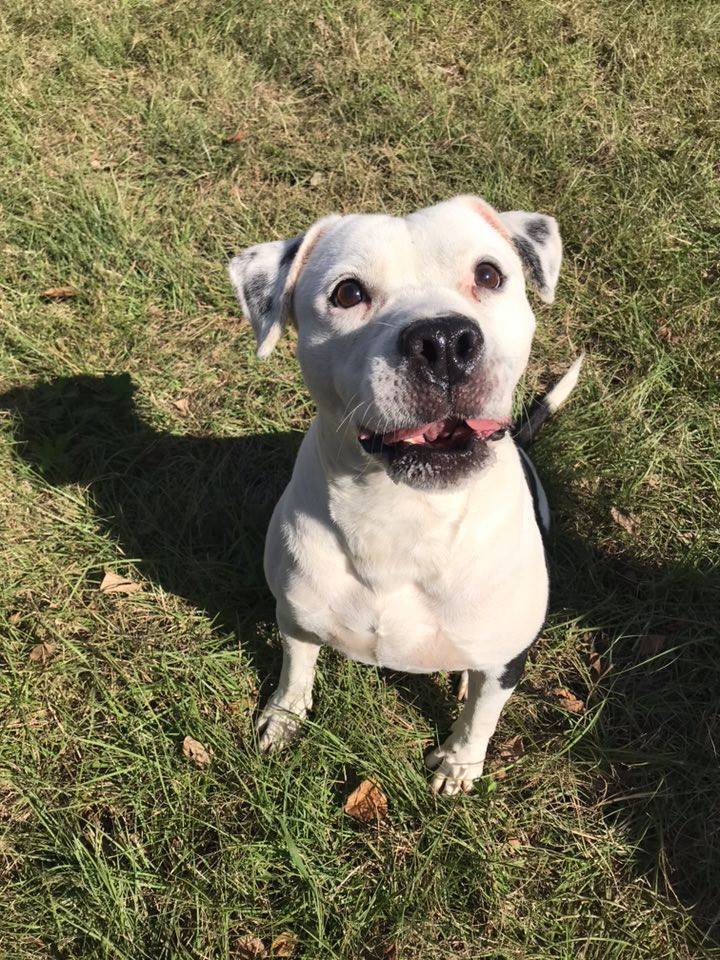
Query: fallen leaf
[[249, 948], [58, 293], [316, 179], [236, 137], [42, 652], [367, 803], [514, 842], [569, 700], [197, 753], [512, 749], [15, 618], [598, 667], [652, 644], [182, 405], [388, 953], [114, 583], [623, 520], [283, 945], [666, 334]]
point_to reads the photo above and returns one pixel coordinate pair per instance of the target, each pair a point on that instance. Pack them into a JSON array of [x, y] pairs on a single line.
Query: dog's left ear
[[536, 238], [264, 278]]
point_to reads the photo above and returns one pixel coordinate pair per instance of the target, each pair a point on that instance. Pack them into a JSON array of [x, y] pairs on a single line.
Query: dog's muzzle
[[440, 355]]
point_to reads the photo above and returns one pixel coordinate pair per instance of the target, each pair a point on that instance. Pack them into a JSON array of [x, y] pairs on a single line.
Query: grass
[[117, 176]]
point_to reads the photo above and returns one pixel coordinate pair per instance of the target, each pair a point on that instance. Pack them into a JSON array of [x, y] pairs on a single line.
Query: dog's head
[[412, 331]]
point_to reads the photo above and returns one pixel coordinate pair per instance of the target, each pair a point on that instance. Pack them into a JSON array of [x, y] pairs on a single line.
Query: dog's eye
[[348, 293], [487, 276]]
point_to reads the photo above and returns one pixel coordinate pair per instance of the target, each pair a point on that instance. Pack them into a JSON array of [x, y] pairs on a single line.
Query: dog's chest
[[422, 585], [440, 603]]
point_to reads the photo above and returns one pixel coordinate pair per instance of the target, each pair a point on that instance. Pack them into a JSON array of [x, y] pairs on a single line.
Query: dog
[[411, 534]]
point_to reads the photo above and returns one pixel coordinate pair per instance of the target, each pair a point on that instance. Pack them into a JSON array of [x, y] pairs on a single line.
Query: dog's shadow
[[194, 510]]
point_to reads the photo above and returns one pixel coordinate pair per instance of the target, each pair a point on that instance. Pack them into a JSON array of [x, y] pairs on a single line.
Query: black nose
[[445, 349]]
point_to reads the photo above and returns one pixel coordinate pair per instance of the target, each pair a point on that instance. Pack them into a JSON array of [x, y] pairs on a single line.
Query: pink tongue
[[429, 432], [485, 428]]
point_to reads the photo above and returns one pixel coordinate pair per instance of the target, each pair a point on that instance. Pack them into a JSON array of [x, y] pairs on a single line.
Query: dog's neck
[[393, 532], [345, 465]]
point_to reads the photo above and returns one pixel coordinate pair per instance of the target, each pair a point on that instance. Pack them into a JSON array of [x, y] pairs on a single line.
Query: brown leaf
[[236, 137], [113, 583], [42, 652], [388, 953], [197, 753], [652, 644], [623, 520], [367, 803], [182, 405], [58, 293], [249, 948], [512, 749], [666, 334], [15, 618], [569, 700], [283, 945], [514, 842], [598, 667]]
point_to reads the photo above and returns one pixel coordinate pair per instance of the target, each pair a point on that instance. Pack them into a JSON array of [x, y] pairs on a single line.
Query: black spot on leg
[[529, 256], [537, 230], [290, 251], [510, 677]]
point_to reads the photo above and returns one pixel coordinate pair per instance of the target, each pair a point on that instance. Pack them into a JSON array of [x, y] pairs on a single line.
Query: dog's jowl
[[410, 535]]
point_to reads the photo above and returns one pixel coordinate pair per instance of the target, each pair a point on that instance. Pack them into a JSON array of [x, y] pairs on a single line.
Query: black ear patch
[[530, 258], [258, 293], [290, 251], [538, 230]]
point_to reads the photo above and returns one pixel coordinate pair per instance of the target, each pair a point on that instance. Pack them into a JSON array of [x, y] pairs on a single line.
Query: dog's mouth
[[448, 436], [435, 455]]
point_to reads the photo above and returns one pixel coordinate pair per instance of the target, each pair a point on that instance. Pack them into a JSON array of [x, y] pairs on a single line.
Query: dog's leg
[[459, 760], [290, 703], [461, 691]]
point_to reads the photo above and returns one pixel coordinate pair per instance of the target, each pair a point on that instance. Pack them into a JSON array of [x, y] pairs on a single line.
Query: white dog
[[410, 533]]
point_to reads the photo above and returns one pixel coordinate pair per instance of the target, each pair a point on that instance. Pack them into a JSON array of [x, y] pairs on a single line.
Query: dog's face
[[412, 332]]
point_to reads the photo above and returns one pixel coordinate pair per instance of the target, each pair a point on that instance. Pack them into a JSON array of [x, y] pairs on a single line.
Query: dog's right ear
[[264, 278]]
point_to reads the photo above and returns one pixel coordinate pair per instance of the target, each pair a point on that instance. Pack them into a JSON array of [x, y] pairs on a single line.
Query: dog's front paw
[[279, 724], [451, 774]]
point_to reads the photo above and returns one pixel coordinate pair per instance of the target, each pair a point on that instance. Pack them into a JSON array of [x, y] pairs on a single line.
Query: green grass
[[602, 841]]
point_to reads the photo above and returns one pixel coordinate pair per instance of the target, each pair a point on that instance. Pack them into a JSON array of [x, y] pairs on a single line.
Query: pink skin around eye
[[468, 288]]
